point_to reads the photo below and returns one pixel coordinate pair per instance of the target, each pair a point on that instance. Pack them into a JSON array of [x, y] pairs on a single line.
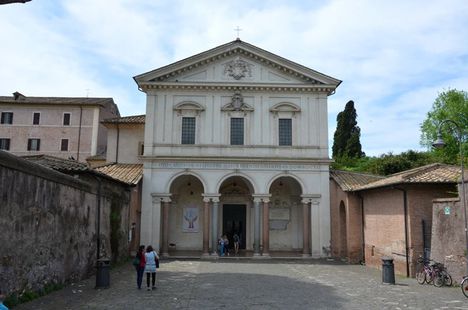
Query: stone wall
[[48, 224], [448, 235]]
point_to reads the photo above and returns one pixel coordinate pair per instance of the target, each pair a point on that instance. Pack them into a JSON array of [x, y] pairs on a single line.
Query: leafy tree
[[451, 104], [386, 164], [346, 141]]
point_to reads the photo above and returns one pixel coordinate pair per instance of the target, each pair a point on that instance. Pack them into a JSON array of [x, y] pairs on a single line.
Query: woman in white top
[[150, 268]]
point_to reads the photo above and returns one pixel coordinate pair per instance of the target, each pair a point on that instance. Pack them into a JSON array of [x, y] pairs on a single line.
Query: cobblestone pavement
[[254, 284]]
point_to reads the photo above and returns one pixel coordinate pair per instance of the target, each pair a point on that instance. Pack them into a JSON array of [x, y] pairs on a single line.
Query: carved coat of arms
[[238, 69]]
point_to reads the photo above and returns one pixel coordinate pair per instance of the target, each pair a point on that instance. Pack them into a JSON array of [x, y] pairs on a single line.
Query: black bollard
[[388, 270]]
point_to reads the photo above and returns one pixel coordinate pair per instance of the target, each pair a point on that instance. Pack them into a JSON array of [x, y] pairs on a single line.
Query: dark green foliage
[[386, 164], [451, 104], [346, 141]]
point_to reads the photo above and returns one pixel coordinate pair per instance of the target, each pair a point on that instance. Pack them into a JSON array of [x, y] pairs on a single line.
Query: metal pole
[[463, 196]]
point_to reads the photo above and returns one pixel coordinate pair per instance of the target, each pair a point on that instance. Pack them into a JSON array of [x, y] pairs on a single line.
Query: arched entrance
[[343, 232], [285, 215], [235, 214], [185, 223]]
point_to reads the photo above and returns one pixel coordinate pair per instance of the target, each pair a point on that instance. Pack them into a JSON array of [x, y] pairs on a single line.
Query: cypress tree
[[346, 141]]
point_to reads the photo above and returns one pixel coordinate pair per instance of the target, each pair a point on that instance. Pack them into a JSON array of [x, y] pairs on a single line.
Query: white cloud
[[393, 57]]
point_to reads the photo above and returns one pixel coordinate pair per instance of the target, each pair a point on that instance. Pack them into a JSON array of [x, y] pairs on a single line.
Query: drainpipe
[[405, 212], [117, 145], [79, 135], [363, 258]]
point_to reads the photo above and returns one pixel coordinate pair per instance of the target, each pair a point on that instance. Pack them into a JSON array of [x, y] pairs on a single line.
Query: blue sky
[[393, 57]]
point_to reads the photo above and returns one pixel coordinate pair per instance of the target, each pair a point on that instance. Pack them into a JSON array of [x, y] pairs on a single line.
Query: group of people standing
[[146, 261], [223, 244]]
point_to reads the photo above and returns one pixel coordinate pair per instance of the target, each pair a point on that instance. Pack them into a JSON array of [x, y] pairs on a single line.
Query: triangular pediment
[[236, 63]]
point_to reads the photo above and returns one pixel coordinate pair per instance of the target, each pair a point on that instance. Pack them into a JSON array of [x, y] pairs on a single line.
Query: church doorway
[[234, 222]]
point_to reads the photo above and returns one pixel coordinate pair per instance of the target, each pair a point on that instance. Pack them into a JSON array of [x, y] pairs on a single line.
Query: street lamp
[[439, 143]]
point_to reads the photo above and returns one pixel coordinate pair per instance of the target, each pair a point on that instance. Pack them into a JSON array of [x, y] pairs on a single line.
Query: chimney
[[18, 96]]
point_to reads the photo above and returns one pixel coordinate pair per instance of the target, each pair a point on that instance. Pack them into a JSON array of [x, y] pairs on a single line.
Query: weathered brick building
[[390, 214]]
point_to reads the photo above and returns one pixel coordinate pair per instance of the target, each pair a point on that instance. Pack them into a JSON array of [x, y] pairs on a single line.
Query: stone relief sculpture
[[237, 104], [238, 69]]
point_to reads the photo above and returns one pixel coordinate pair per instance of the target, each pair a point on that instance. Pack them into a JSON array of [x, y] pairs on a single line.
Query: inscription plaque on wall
[[279, 214], [279, 218]]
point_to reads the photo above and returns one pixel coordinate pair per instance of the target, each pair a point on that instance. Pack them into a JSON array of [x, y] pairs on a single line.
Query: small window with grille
[[36, 118], [285, 131], [237, 131], [64, 145], [4, 144], [188, 130], [7, 118], [66, 119], [34, 144]]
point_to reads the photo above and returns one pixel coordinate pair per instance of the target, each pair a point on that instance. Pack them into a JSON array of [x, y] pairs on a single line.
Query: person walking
[[139, 263], [150, 268], [236, 243]]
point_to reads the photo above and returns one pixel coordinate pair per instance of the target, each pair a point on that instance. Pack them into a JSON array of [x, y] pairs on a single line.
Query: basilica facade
[[236, 142]]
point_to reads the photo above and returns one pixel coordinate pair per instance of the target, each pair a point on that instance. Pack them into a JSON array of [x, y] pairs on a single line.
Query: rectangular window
[[237, 131], [66, 119], [188, 130], [141, 148], [7, 118], [64, 145], [4, 144], [285, 131], [34, 144], [36, 118]]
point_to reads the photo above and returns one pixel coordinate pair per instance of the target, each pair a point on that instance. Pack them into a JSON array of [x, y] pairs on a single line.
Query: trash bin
[[388, 270], [103, 273]]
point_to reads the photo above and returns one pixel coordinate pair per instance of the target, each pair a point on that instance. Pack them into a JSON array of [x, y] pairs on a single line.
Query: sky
[[394, 57]]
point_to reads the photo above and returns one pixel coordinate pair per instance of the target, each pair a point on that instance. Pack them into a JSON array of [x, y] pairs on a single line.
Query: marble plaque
[[278, 224], [279, 214]]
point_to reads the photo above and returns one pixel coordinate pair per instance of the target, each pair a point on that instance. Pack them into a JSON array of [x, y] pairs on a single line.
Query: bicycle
[[442, 277], [464, 286], [427, 273]]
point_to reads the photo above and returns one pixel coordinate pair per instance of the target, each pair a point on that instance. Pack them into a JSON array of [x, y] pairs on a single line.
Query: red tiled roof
[[135, 119], [127, 173], [348, 181], [433, 173], [56, 100]]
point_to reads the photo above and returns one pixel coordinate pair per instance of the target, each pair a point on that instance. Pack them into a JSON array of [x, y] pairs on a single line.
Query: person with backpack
[[140, 262]]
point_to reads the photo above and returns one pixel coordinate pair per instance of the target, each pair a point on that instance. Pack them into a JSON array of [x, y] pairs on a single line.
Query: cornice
[[285, 160], [216, 86]]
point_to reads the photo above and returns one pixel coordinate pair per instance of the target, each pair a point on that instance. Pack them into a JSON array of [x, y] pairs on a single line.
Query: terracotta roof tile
[[135, 119], [128, 173], [56, 163], [56, 100], [433, 173], [349, 181]]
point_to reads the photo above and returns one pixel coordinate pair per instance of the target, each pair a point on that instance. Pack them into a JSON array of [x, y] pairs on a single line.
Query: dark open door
[[234, 219]]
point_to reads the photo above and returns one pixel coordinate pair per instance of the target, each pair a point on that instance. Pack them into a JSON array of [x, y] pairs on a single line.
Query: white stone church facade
[[236, 141]]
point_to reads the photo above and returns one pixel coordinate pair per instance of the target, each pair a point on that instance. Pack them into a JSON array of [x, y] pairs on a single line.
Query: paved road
[[254, 284]]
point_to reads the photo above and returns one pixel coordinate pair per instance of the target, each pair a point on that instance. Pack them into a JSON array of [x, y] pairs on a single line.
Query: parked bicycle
[[464, 286], [433, 272]]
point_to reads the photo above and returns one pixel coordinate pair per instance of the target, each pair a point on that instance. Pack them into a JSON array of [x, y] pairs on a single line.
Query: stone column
[[214, 227], [266, 227], [256, 226], [166, 202], [206, 226], [306, 228]]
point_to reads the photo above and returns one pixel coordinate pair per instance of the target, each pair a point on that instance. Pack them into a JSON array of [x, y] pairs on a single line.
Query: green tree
[[346, 141], [451, 104]]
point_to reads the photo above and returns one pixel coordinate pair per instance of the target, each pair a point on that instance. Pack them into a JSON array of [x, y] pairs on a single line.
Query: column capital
[[213, 197], [161, 197], [261, 197], [311, 198]]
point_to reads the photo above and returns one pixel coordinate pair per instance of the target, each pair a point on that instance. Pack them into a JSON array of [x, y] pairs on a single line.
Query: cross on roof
[[238, 30]]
